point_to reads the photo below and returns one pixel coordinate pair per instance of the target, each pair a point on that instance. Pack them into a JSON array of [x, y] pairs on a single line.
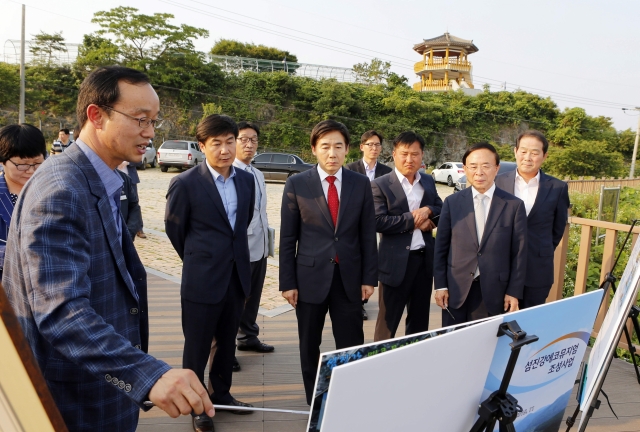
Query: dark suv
[[279, 166]]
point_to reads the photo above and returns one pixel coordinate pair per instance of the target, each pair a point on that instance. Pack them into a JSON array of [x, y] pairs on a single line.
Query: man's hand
[[427, 225], [420, 216], [291, 296], [367, 291], [179, 391], [442, 298], [510, 303]]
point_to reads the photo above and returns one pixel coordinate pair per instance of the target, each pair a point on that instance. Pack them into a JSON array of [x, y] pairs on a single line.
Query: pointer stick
[[241, 408]]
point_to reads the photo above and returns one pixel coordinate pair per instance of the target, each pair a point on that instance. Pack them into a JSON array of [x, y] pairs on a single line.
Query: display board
[[329, 360], [439, 382], [25, 401], [611, 330]]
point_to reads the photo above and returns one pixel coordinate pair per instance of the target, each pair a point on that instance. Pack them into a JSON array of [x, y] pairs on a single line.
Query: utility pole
[[22, 72], [632, 171]]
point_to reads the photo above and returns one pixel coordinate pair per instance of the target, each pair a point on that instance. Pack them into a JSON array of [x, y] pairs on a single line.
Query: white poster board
[[611, 329], [433, 385]]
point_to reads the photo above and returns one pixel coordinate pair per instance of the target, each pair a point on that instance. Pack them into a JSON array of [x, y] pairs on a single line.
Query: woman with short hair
[[22, 150]]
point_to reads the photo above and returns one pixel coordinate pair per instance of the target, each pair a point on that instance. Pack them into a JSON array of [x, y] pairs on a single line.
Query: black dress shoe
[[364, 314], [236, 365], [257, 347], [236, 402], [202, 423]]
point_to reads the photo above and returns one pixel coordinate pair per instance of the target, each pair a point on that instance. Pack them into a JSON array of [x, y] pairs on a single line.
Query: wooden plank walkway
[[274, 380]]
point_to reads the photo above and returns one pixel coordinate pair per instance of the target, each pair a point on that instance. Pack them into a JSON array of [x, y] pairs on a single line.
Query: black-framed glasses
[[143, 122], [25, 167], [246, 140], [373, 145]]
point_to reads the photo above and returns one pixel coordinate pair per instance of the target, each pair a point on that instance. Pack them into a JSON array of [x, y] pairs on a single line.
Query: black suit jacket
[[198, 227], [545, 225], [358, 166], [309, 241], [395, 222], [501, 255]]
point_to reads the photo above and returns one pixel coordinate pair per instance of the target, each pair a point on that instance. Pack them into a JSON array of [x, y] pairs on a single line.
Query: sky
[[583, 53]]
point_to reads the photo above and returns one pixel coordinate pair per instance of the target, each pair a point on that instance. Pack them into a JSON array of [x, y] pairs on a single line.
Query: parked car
[[504, 167], [279, 166], [149, 157], [449, 173], [179, 154]]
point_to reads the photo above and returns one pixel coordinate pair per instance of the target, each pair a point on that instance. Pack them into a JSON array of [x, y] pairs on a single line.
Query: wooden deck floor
[[274, 380]]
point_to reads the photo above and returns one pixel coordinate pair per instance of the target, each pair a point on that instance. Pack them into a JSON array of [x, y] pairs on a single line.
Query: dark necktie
[[334, 202]]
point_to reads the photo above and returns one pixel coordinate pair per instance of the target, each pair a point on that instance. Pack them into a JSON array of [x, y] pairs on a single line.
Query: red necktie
[[333, 201]]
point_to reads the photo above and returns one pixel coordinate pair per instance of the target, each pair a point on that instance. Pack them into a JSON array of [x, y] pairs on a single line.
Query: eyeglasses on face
[[25, 167], [143, 122], [373, 145], [484, 167], [247, 140]]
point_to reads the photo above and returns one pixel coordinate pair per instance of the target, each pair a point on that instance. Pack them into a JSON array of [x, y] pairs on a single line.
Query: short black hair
[[326, 126], [101, 88], [248, 125], [479, 146], [368, 134], [408, 138], [65, 130], [21, 140], [215, 125], [534, 134]]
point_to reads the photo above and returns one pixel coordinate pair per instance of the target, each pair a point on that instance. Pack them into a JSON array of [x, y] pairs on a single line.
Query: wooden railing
[[435, 85], [590, 186], [440, 64], [608, 257]]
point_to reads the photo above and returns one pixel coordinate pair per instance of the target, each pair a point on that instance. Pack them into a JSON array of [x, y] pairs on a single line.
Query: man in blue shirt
[[209, 209]]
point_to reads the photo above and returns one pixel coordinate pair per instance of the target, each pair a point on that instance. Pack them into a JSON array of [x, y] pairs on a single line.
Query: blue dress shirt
[[227, 191]]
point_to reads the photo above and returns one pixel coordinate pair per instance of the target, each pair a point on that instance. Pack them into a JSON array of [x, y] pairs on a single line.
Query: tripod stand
[[609, 282], [500, 406]]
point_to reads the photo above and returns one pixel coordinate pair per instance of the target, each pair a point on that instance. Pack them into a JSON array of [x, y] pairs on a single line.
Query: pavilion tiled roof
[[444, 41]]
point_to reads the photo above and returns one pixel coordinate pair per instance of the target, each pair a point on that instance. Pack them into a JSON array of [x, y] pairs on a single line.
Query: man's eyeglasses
[[25, 167], [246, 140], [373, 145], [143, 122], [474, 168]]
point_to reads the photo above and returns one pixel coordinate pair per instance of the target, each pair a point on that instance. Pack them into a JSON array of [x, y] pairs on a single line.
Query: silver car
[[180, 154], [149, 157]]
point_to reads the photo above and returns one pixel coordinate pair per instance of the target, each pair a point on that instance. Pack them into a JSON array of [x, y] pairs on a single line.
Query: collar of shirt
[[366, 167], [404, 181], [519, 178], [324, 175], [217, 176], [240, 165], [110, 178], [488, 193]]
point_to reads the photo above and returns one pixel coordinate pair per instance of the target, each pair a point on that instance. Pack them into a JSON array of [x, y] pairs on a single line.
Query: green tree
[[96, 51], [230, 47], [46, 46], [375, 72], [585, 158], [10, 84], [142, 39]]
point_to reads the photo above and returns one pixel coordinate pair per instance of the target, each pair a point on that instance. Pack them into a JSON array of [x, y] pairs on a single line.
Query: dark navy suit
[[546, 223], [6, 210], [216, 271], [66, 275]]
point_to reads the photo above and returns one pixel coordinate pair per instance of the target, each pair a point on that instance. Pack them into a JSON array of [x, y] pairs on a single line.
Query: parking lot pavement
[[156, 251]]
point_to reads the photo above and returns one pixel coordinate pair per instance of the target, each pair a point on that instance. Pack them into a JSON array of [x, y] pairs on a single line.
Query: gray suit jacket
[[395, 222], [309, 241], [545, 225], [258, 231], [501, 255]]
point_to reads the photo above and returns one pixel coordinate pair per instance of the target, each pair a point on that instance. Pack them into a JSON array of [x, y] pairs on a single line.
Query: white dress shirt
[[527, 192], [325, 183], [371, 173], [414, 193]]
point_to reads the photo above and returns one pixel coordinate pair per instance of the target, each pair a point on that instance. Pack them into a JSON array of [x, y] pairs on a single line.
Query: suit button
[[336, 239], [133, 311], [108, 377], [408, 247], [137, 346], [127, 388]]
